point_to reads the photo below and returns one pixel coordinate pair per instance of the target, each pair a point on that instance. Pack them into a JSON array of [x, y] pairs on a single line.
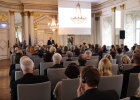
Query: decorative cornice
[[11, 13], [106, 4], [122, 6], [113, 9]]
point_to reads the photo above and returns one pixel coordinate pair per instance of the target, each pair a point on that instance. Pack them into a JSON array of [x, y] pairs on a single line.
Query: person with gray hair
[[27, 67], [69, 55], [88, 54], [57, 58]]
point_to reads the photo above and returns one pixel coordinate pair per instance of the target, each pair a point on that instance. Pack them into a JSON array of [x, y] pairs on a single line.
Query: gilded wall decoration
[[3, 44], [3, 17]]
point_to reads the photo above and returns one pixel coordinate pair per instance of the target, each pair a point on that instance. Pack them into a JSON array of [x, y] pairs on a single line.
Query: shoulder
[[110, 94], [42, 78]]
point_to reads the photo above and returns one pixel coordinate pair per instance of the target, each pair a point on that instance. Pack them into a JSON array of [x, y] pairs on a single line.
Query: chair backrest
[[13, 58], [128, 98], [38, 91], [114, 61], [37, 61], [55, 75], [17, 66], [111, 83], [69, 88], [64, 58], [127, 67], [114, 69], [118, 57], [133, 84], [92, 63], [19, 74], [44, 65], [66, 63], [95, 58], [74, 58]]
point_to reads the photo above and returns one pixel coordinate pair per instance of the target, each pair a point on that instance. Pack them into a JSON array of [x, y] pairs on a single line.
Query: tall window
[[138, 31], [118, 19]]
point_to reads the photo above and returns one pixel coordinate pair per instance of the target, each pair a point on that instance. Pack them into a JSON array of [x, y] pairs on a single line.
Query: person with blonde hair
[[125, 60], [52, 49], [104, 67], [108, 56]]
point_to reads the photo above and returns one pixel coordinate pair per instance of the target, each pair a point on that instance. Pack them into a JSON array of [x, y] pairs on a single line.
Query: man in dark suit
[[135, 69], [88, 90], [27, 67], [50, 41]]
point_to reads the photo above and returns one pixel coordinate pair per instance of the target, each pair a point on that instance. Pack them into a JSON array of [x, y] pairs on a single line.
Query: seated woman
[[69, 55], [108, 56], [71, 72], [104, 67]]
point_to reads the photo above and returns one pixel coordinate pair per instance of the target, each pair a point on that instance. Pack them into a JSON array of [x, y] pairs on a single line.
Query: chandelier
[[78, 18], [53, 25]]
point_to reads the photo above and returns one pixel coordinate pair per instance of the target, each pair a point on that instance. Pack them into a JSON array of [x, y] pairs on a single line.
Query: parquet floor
[[4, 80]]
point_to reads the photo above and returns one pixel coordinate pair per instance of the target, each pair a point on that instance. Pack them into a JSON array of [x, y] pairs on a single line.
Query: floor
[[4, 80]]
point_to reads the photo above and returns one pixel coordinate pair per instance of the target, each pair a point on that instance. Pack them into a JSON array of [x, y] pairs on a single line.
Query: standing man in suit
[[50, 41], [89, 79], [27, 67]]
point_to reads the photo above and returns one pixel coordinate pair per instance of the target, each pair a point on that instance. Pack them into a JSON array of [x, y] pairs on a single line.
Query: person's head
[[136, 59], [27, 65], [126, 48], [72, 71], [52, 49], [104, 48], [82, 60], [119, 50], [88, 54], [108, 56], [57, 58], [17, 57], [89, 77], [69, 54], [104, 67], [125, 59], [32, 49]]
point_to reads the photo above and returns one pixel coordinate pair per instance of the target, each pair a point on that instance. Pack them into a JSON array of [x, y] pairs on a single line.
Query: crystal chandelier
[[78, 18], [53, 25]]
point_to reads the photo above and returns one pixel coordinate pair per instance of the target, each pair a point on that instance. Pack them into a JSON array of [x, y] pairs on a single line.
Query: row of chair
[[42, 91]]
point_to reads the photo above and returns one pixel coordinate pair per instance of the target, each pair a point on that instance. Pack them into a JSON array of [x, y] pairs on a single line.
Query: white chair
[[114, 69], [44, 65], [111, 83], [118, 57], [19, 74], [38, 91], [55, 75], [69, 88], [92, 63], [133, 84], [66, 63], [17, 66], [37, 61], [114, 61], [95, 58]]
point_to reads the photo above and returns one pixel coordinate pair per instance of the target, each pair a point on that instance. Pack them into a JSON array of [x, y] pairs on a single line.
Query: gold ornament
[[3, 17]]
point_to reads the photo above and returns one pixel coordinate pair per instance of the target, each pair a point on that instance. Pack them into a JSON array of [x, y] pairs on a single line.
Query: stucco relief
[[3, 44]]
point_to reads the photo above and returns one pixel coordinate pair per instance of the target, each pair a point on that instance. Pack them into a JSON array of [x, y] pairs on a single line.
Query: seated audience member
[[104, 67], [17, 59], [49, 54], [57, 58], [125, 60], [104, 49], [82, 60], [69, 55], [32, 50], [77, 51], [135, 69], [108, 56], [88, 90], [27, 67], [88, 54], [71, 72], [119, 51], [125, 50]]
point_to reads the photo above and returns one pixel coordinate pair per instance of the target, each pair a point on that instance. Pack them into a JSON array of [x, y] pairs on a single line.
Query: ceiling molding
[[106, 4]]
